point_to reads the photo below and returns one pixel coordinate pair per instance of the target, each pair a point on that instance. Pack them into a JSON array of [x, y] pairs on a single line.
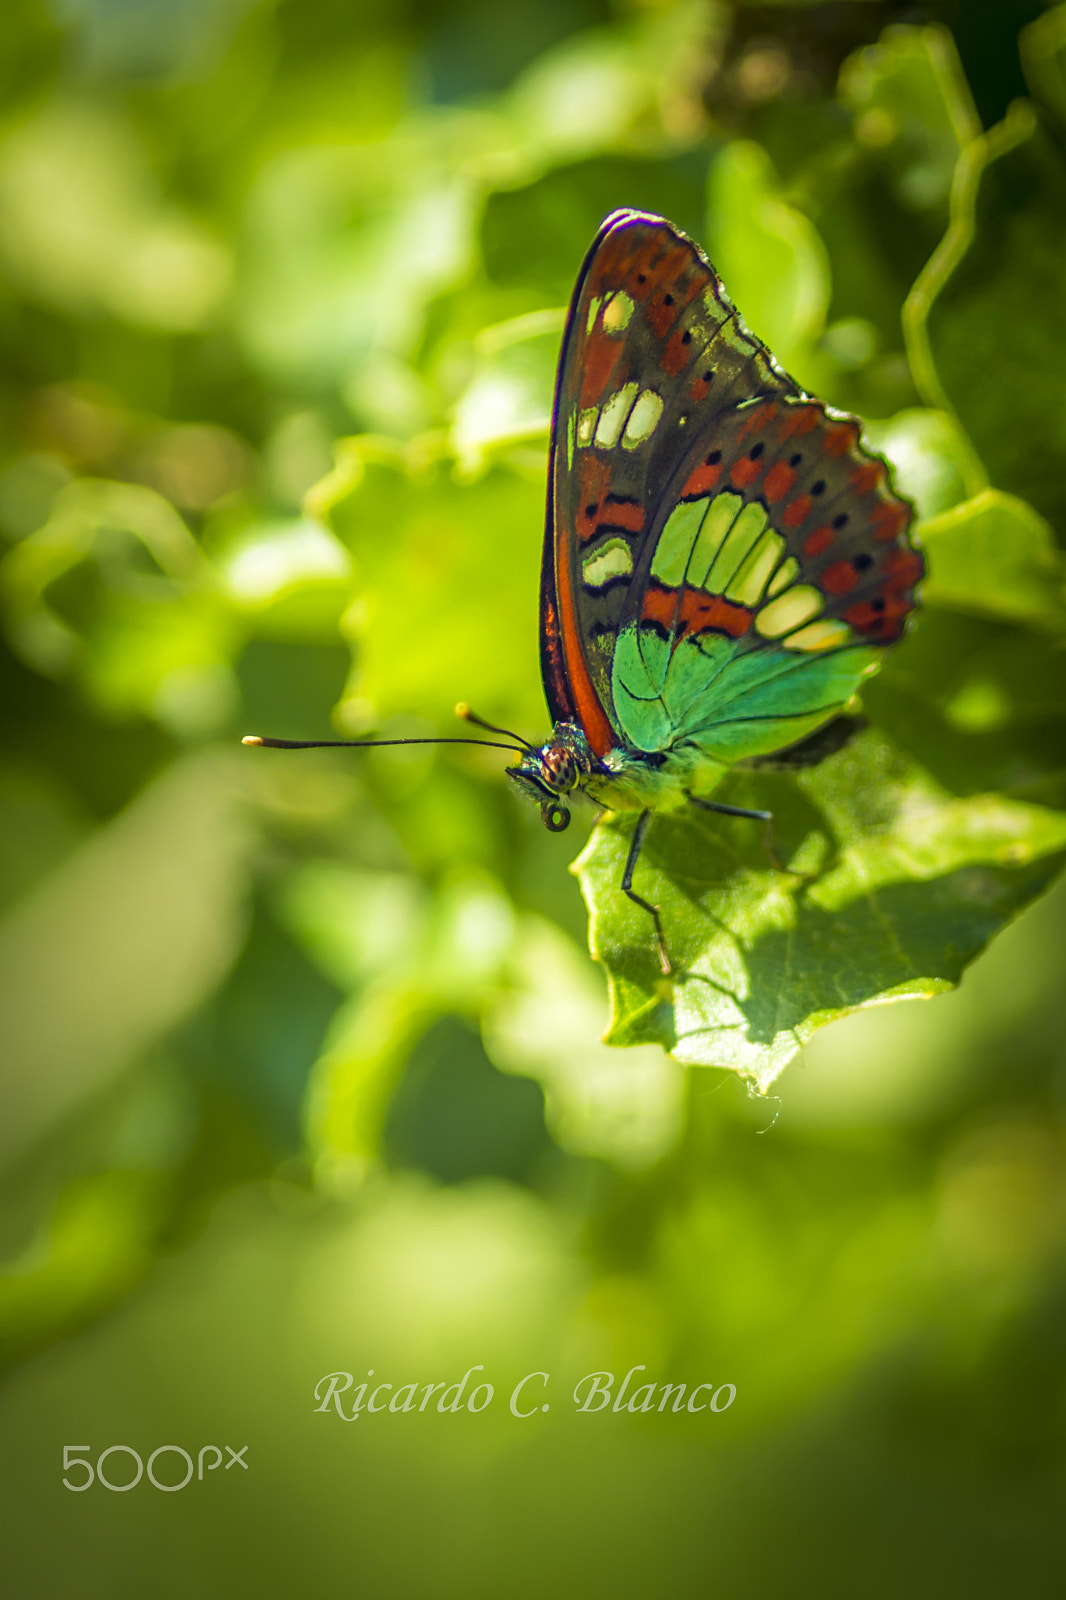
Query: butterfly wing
[[724, 561], [652, 342]]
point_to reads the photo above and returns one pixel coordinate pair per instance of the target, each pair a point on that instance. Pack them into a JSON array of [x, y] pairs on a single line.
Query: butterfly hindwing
[[653, 350], [723, 560], [778, 568]]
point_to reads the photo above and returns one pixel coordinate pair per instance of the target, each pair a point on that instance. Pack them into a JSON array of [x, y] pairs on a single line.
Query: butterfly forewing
[[653, 350], [726, 560]]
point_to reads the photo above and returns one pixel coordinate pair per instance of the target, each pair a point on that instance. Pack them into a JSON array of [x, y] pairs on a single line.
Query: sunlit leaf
[[114, 590], [609, 89], [289, 579], [995, 555], [625, 1109], [894, 886], [446, 608], [509, 396], [932, 462], [349, 244], [769, 255]]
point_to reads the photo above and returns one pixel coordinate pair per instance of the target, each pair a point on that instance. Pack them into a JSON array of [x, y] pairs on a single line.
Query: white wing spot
[[613, 416], [617, 312], [643, 419], [788, 611], [824, 635], [612, 560], [788, 573], [754, 573], [722, 513]]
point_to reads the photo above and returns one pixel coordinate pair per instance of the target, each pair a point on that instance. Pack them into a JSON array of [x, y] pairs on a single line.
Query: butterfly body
[[724, 562], [624, 779]]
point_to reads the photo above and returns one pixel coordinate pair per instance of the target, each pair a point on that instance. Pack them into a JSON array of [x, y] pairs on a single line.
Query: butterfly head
[[554, 769]]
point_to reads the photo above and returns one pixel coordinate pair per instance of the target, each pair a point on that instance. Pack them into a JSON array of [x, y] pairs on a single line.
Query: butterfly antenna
[[370, 744], [464, 712]]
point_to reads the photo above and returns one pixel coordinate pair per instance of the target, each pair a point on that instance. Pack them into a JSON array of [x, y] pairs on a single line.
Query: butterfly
[[724, 562]]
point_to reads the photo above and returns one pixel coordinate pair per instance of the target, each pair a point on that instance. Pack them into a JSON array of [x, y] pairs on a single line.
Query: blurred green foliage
[[303, 1070]]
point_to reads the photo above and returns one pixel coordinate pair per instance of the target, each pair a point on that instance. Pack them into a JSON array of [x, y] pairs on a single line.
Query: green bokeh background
[[302, 1061]]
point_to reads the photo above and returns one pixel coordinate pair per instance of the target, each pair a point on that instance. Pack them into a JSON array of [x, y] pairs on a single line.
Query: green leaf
[[769, 254], [628, 1110], [290, 579], [509, 396], [114, 590], [996, 556], [932, 462], [347, 246], [448, 582], [894, 886]]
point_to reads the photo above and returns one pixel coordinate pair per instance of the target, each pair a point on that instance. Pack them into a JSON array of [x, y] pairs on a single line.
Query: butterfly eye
[[555, 816]]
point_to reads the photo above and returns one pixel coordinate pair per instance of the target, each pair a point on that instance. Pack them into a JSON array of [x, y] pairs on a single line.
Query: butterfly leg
[[640, 833], [742, 811]]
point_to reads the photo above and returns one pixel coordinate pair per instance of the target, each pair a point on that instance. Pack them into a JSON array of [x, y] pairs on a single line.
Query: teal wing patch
[[731, 705]]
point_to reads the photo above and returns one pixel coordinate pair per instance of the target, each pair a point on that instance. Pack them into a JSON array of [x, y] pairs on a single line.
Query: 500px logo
[[77, 1456]]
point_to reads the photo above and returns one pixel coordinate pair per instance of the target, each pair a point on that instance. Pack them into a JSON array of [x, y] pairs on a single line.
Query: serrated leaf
[[893, 886]]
